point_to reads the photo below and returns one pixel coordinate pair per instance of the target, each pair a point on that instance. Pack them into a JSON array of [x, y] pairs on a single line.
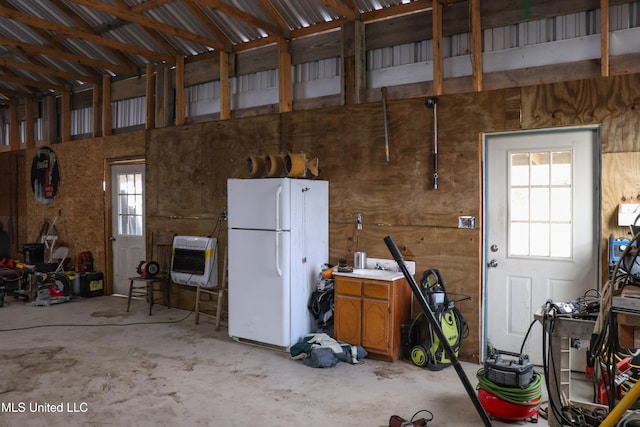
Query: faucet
[[379, 266]]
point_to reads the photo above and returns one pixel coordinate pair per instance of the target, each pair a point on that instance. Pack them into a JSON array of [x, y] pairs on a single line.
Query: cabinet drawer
[[378, 290], [349, 287]]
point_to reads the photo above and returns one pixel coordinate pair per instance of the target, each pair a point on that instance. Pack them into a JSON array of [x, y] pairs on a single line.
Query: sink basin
[[376, 274], [371, 272]]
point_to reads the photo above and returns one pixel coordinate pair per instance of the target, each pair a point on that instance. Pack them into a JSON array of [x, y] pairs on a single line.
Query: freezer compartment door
[[259, 204], [259, 290]]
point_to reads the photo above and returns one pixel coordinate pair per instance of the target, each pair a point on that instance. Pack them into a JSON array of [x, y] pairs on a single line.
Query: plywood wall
[[621, 184], [187, 169], [79, 206]]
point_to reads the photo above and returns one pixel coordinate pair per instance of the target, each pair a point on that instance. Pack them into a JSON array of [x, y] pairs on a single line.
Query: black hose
[[397, 256]]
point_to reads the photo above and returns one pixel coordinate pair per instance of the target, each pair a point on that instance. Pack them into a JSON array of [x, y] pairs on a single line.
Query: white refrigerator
[[278, 241]]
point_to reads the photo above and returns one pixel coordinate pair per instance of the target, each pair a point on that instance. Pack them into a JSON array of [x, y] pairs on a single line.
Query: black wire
[[547, 355], [67, 325], [527, 335], [423, 410]]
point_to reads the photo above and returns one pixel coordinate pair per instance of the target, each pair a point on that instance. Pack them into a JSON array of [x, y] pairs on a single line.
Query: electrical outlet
[[467, 222]]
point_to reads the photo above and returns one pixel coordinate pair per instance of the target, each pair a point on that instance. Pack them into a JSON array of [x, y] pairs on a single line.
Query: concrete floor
[[105, 367]]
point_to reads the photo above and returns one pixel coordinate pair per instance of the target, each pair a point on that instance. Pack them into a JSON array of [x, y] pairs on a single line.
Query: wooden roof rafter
[[204, 20], [340, 9], [149, 23], [33, 21], [63, 54], [43, 34], [83, 25], [243, 16], [42, 69], [275, 16], [33, 83]]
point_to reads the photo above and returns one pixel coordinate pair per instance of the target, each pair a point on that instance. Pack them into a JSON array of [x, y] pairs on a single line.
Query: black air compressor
[[508, 369]]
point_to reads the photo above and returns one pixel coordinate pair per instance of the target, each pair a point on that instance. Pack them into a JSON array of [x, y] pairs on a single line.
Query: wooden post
[[604, 38], [96, 105], [437, 47], [65, 116], [181, 105], [476, 37], [354, 76], [225, 87], [150, 121], [29, 125], [14, 126], [49, 120], [107, 125], [162, 95], [285, 90]]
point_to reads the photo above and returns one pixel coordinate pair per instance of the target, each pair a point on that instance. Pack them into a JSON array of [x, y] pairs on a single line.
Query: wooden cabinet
[[371, 312]]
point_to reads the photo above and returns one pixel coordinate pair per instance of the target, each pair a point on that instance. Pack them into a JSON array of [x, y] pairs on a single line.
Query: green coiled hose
[[527, 396]]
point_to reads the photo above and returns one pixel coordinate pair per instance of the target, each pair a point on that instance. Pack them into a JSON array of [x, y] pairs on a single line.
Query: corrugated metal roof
[[240, 21]]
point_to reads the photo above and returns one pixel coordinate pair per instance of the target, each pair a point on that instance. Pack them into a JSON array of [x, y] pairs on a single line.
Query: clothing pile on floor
[[319, 350]]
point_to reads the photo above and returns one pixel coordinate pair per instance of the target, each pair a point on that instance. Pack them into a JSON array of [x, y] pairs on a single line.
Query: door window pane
[[540, 168], [519, 238], [520, 169], [539, 245], [519, 204], [561, 204], [560, 234], [130, 204], [561, 168], [540, 204]]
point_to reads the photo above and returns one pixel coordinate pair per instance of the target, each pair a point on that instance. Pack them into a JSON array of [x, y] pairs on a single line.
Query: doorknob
[[113, 239], [492, 263]]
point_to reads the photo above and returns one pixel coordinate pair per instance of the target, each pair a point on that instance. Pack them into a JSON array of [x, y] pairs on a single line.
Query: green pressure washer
[[426, 348]]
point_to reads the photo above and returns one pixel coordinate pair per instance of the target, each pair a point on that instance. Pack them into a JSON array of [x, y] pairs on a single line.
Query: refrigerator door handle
[[278, 269], [278, 194]]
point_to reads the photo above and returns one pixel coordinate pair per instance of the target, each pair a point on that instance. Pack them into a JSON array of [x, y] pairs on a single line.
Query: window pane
[[138, 182], [561, 204], [122, 183], [539, 239], [561, 240], [519, 238], [561, 168], [539, 204], [540, 168], [520, 169], [122, 204], [131, 204], [519, 204]]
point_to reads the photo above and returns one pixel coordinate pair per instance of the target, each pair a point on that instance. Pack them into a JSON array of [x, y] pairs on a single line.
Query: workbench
[[565, 328], [627, 314]]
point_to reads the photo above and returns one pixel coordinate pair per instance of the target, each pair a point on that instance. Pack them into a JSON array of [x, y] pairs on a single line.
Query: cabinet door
[[347, 319], [375, 326]]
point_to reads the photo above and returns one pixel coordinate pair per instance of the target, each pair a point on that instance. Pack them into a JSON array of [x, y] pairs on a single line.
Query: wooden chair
[[161, 250], [216, 295]]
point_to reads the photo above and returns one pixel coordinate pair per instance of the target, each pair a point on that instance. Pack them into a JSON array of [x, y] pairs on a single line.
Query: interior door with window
[[128, 239], [542, 222]]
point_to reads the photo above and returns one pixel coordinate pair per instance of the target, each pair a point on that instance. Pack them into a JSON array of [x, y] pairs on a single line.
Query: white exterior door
[[541, 219], [128, 240]]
